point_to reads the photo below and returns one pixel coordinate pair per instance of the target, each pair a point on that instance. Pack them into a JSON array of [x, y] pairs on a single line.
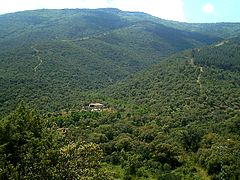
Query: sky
[[192, 11]]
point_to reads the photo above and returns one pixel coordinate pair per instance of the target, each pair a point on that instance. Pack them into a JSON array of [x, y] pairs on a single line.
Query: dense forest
[[50, 65], [170, 97]]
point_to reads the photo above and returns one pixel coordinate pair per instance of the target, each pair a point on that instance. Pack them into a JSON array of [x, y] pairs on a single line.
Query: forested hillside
[[198, 73], [223, 30], [176, 120], [193, 99], [224, 55], [170, 97], [44, 25], [50, 57]]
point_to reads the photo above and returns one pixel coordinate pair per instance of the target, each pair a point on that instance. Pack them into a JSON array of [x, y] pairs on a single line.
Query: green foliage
[[50, 58], [80, 162], [24, 145], [31, 150], [187, 101], [224, 55], [223, 29], [190, 139], [220, 156], [178, 119]]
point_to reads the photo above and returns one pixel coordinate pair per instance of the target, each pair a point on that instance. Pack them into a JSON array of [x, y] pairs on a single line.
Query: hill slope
[[193, 98], [178, 119], [48, 56], [205, 78], [223, 30], [41, 25]]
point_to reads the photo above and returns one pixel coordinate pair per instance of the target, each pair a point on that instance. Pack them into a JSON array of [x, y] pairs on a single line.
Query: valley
[[167, 96]]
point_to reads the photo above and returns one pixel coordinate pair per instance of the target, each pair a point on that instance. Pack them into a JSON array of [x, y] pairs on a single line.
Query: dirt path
[[39, 59], [200, 73], [98, 35], [86, 37], [221, 43], [192, 62], [199, 78]]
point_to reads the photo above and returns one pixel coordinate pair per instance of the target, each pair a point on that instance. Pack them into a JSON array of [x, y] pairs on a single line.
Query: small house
[[96, 106]]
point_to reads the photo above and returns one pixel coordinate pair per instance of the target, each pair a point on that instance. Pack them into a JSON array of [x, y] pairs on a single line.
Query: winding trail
[[79, 39], [98, 35], [199, 75], [199, 78], [221, 43], [86, 37], [38, 57]]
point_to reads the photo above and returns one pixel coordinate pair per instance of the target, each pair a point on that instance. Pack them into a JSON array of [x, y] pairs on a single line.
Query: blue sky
[[216, 10], [179, 10]]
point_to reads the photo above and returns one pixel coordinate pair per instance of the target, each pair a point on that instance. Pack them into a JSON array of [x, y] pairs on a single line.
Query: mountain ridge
[[169, 98], [81, 49]]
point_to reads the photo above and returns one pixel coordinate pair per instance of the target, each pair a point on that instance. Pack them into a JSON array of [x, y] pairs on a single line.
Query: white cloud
[[208, 8], [7, 6], [166, 9]]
